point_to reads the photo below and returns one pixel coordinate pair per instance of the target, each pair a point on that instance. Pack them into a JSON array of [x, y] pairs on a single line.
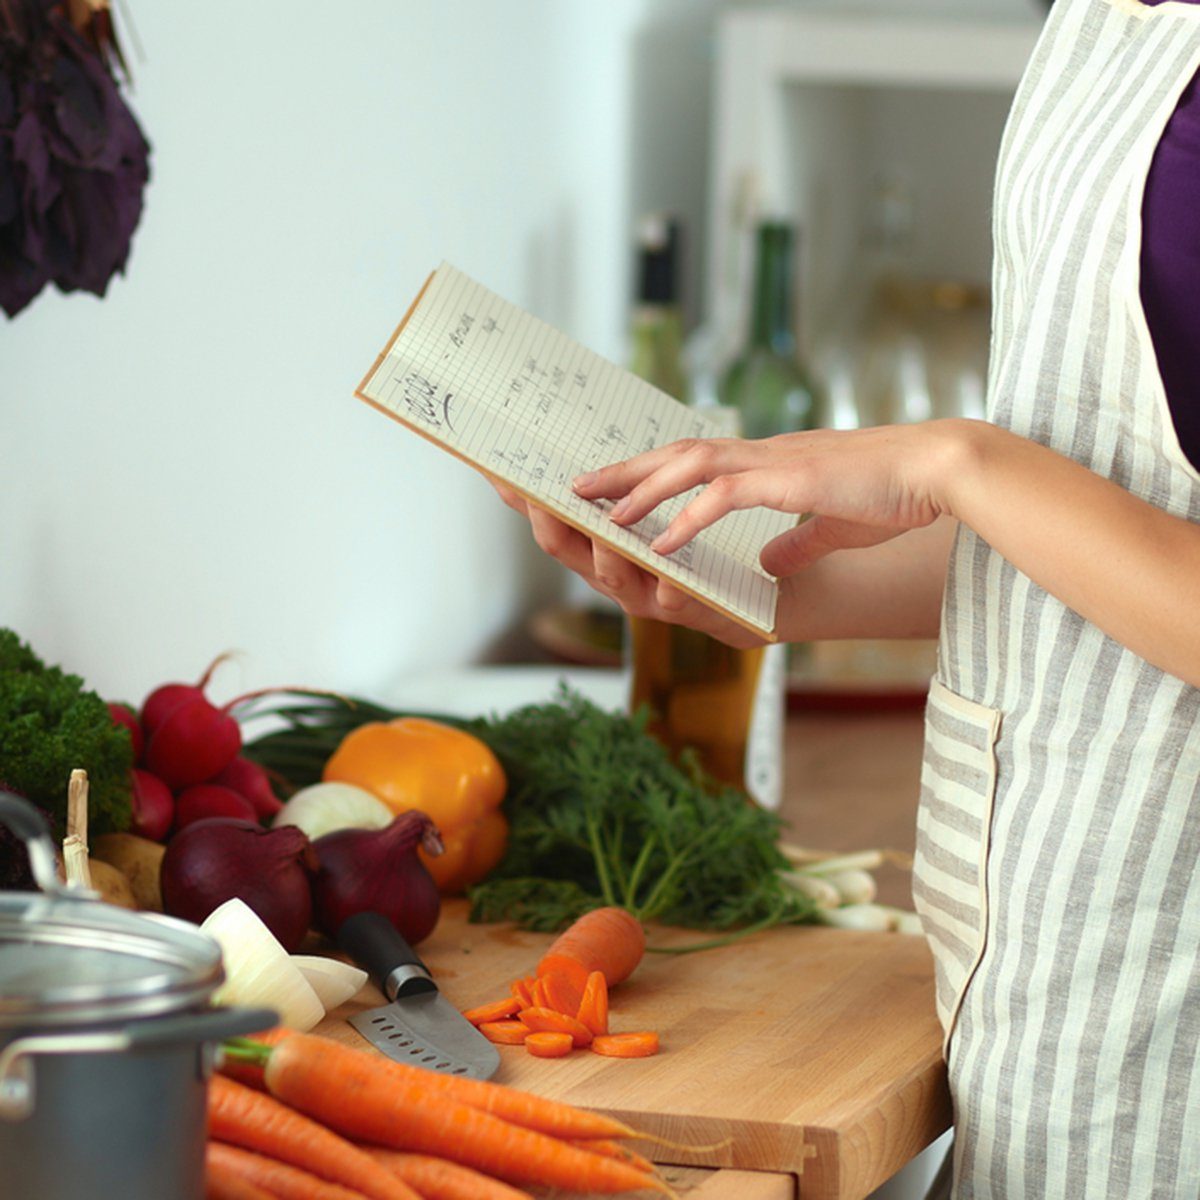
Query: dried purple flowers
[[73, 161]]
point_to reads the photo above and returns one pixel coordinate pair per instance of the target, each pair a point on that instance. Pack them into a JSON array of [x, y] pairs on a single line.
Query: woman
[[1057, 549]]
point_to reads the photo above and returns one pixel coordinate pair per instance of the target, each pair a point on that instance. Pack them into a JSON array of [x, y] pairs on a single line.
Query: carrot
[[548, 1043], [254, 1121], [543, 1019], [616, 1150], [495, 1010], [523, 990], [346, 1090], [627, 1045], [605, 939], [551, 1117], [268, 1176], [221, 1183], [593, 1006], [439, 1179], [560, 993], [507, 1033]]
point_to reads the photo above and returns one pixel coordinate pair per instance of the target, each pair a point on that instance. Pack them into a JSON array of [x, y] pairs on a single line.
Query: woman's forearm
[[893, 590], [1126, 566]]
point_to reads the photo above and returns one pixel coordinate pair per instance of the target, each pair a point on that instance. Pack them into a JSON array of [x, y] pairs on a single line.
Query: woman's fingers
[[813, 539]]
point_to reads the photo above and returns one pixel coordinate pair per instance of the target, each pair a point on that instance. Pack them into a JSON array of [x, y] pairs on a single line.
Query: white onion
[[258, 971], [334, 981], [324, 808]]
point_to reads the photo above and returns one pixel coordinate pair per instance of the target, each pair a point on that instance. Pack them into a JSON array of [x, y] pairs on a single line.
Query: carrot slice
[[550, 1020], [496, 1010], [523, 990], [641, 1044], [593, 1005], [606, 939], [560, 994], [549, 1043], [507, 1033]]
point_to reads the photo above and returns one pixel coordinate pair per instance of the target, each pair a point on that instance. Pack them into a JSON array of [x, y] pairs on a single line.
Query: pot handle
[[32, 828], [209, 1025]]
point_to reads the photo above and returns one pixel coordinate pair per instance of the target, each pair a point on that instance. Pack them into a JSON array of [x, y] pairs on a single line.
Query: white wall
[[184, 467]]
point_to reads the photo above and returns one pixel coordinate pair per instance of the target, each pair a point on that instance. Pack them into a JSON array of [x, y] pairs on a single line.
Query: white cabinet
[[817, 110]]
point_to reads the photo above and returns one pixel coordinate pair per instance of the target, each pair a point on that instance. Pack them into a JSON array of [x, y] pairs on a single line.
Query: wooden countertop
[[816, 1051]]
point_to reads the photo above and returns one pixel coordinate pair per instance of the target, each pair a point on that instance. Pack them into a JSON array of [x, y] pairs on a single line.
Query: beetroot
[[204, 800], [123, 714], [248, 779], [194, 742], [153, 806]]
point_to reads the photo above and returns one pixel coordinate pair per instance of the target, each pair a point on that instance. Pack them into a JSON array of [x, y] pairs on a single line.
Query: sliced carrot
[[543, 1020], [243, 1117], [268, 1176], [641, 1044], [506, 1033], [496, 1010], [593, 1006], [523, 990], [549, 1043], [439, 1179], [606, 939], [614, 1149], [560, 993], [343, 1088]]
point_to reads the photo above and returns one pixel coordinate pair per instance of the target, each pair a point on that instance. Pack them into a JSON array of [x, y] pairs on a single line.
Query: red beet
[[205, 800], [248, 779], [153, 806], [164, 700], [195, 741], [122, 714]]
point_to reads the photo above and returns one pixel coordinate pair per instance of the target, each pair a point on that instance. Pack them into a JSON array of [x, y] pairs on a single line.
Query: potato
[[139, 860], [111, 884]]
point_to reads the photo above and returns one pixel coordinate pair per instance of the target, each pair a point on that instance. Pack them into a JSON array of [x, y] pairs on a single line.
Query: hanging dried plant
[[73, 161]]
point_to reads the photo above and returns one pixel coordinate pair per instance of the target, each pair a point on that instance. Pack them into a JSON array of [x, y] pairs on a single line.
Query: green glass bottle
[[767, 382], [657, 323]]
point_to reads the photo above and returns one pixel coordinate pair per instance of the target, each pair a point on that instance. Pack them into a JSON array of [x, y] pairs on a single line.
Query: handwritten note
[[526, 404]]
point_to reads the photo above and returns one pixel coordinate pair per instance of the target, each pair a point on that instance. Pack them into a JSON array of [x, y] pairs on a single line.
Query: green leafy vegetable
[[599, 814], [51, 724]]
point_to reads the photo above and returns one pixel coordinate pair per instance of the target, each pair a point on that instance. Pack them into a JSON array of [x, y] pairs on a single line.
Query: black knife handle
[[380, 949]]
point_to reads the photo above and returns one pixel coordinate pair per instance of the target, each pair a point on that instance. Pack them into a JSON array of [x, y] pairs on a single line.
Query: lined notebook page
[[530, 406]]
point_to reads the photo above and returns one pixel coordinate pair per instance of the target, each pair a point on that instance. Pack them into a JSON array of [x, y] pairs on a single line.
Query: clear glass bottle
[[767, 381], [723, 703]]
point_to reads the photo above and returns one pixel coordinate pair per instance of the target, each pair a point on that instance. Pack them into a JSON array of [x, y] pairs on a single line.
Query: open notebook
[[527, 405]]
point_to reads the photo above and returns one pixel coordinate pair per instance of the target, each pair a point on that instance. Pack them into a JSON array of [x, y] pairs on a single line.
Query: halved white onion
[[258, 971], [334, 981]]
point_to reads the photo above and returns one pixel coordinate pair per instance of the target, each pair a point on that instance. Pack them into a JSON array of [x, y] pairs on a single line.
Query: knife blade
[[418, 1025]]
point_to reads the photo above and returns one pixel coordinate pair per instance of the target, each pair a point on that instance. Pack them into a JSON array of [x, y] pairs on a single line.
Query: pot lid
[[70, 959], [67, 957]]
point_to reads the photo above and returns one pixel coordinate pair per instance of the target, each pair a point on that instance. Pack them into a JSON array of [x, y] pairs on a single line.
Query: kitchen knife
[[419, 1026]]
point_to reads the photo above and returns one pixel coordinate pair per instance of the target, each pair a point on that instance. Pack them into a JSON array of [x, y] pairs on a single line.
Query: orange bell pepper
[[448, 774]]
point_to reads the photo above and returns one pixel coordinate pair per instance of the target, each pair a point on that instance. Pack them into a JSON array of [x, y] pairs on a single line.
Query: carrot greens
[[599, 815]]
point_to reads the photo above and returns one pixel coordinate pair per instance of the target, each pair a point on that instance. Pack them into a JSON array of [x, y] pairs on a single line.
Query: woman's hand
[[861, 487], [638, 592]]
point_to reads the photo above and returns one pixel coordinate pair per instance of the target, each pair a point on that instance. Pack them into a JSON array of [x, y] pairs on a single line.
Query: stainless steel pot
[[107, 1040]]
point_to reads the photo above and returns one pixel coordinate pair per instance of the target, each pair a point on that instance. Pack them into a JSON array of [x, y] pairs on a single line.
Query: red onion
[[213, 860], [379, 870]]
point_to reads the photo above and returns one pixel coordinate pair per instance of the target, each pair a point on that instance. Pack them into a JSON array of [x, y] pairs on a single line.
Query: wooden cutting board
[[806, 1050]]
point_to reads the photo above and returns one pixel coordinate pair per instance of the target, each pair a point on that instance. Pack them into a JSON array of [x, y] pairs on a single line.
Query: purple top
[[1171, 263]]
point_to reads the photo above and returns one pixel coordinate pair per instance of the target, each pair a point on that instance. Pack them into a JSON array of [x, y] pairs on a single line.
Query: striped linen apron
[[1058, 837]]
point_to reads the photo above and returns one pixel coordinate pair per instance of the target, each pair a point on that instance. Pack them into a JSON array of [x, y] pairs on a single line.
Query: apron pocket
[[958, 782]]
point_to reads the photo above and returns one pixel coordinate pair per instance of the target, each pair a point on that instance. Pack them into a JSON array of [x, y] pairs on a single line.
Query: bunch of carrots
[[297, 1117], [332, 1122], [565, 1004]]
